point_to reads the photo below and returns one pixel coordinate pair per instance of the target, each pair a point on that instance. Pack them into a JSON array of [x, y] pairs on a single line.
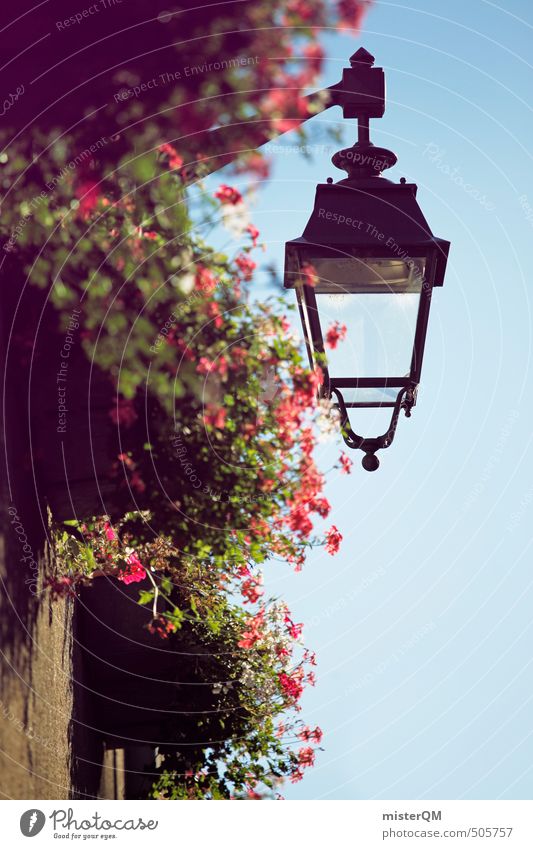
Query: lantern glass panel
[[371, 275], [380, 319], [370, 395]]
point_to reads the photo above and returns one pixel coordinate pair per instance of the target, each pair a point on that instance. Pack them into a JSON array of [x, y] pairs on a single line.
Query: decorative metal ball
[[370, 462]]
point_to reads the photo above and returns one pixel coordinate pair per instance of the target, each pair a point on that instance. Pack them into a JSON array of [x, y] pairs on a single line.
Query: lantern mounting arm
[[405, 400]]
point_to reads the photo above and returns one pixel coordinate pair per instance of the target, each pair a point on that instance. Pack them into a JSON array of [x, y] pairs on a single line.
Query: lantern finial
[[362, 95]]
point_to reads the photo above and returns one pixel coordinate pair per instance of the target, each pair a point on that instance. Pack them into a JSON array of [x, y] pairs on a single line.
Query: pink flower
[[228, 194], [333, 540], [136, 572], [109, 532], [346, 464], [336, 333]]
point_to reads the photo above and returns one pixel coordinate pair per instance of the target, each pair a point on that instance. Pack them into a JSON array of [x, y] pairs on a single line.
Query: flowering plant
[[213, 408], [246, 399]]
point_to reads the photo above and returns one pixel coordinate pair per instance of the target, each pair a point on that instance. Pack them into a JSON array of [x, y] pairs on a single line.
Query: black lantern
[[368, 260]]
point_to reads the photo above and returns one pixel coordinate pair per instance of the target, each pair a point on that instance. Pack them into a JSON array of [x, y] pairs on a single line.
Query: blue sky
[[423, 623]]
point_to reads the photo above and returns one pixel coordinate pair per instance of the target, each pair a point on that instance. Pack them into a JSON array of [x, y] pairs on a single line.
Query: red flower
[[286, 104], [246, 266], [306, 756], [333, 540], [88, 194], [252, 590], [281, 651], [346, 464], [213, 311], [214, 416], [219, 366], [238, 356], [299, 521], [291, 685], [126, 460], [204, 365], [163, 627], [321, 506], [309, 275], [251, 794], [307, 441], [302, 9], [174, 159], [336, 333], [298, 560], [254, 233], [294, 630], [228, 194], [314, 736], [255, 631], [204, 280], [315, 53]]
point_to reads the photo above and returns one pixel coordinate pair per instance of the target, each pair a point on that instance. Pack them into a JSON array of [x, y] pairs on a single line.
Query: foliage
[[213, 406]]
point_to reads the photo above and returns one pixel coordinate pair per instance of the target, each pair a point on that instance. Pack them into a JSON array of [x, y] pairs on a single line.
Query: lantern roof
[[375, 216]]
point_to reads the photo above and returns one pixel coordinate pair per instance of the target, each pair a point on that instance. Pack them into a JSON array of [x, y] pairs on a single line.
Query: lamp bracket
[[405, 400]]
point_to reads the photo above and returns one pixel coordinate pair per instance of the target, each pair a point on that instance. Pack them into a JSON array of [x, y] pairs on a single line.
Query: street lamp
[[368, 259]]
